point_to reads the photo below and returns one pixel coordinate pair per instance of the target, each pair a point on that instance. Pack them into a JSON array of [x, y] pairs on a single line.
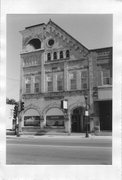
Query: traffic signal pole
[[64, 107], [18, 113]]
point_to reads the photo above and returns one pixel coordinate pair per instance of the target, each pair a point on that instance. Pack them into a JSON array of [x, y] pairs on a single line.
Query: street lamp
[[86, 116], [64, 107]]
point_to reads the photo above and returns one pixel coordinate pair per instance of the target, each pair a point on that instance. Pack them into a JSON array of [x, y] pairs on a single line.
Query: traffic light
[[15, 111], [22, 106]]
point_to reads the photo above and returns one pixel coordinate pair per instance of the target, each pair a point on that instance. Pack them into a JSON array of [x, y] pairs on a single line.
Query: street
[[67, 150]]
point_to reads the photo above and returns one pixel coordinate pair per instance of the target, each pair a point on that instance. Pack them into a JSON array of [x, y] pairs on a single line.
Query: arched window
[[49, 56], [33, 44], [67, 54], [61, 54], [55, 55]]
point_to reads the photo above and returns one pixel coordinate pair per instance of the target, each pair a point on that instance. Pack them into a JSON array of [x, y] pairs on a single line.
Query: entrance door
[[105, 111], [77, 120]]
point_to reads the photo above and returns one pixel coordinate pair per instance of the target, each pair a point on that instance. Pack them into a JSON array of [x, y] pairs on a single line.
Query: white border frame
[[90, 172]]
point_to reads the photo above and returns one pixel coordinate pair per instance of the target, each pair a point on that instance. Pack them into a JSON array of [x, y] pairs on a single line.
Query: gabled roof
[[52, 23]]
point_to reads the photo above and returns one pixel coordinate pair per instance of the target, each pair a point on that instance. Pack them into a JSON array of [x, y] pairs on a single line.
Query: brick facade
[[35, 63]]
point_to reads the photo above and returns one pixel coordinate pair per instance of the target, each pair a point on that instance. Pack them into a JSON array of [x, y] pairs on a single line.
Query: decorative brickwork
[[60, 53]]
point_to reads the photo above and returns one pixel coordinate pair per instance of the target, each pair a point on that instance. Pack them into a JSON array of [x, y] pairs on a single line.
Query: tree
[[11, 101]]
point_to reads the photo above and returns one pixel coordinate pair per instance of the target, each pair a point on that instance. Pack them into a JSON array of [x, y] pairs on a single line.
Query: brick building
[[55, 66]]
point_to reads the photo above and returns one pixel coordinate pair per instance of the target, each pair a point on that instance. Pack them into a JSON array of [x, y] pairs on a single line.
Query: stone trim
[[76, 105], [50, 106], [31, 106]]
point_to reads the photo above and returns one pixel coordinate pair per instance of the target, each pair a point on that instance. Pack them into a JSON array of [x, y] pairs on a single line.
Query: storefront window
[[31, 121], [55, 121]]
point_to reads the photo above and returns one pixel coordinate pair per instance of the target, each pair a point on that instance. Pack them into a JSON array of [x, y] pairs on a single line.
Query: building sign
[[86, 113], [31, 120], [65, 104], [55, 120]]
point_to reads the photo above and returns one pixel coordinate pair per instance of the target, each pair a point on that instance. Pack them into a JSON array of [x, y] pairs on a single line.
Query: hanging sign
[[86, 113]]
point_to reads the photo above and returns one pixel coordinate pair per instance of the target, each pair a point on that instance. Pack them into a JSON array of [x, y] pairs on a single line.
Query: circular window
[[51, 42]]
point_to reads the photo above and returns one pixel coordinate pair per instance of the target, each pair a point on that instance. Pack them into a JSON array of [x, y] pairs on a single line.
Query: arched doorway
[[77, 124], [31, 118]]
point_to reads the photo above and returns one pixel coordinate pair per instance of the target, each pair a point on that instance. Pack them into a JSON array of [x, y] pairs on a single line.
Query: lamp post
[[64, 107], [86, 116]]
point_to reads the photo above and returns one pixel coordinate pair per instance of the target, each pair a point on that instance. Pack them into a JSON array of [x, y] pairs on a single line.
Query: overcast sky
[[93, 31]]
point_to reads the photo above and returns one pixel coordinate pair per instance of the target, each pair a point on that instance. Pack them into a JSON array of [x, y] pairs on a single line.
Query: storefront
[[55, 119], [31, 118]]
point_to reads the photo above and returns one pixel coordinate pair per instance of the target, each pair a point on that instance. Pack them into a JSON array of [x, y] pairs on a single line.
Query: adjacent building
[[9, 117], [55, 66]]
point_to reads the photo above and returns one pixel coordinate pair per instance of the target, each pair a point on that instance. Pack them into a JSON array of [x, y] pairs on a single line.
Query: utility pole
[[64, 107]]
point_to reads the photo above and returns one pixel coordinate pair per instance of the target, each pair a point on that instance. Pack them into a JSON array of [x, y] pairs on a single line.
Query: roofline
[[34, 26], [67, 34], [101, 48]]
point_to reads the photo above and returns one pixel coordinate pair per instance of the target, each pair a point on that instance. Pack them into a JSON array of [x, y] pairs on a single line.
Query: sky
[[91, 30]]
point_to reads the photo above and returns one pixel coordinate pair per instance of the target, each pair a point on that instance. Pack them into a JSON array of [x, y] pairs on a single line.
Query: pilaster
[[78, 80], [91, 69], [54, 82], [43, 56], [65, 76]]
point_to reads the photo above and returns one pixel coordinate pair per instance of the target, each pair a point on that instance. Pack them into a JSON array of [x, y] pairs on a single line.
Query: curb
[[58, 136]]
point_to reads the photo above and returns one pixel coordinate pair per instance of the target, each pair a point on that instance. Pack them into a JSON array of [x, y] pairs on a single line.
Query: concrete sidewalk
[[101, 133], [66, 136]]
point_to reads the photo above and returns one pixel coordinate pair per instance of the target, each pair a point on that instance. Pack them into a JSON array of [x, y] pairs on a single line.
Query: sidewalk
[[101, 133], [11, 134]]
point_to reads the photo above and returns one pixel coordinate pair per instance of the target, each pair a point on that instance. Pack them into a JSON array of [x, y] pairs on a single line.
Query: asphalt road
[[59, 150]]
